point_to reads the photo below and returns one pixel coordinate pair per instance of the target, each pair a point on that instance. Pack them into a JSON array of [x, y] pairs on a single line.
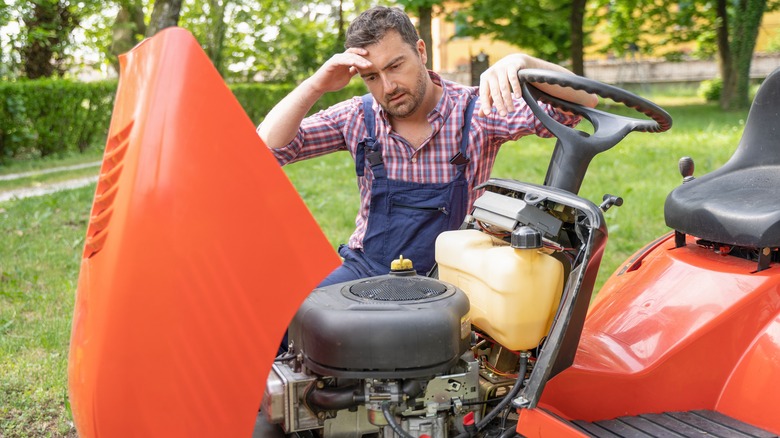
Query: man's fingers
[[506, 94], [496, 96], [357, 51], [350, 58], [516, 88], [485, 103]]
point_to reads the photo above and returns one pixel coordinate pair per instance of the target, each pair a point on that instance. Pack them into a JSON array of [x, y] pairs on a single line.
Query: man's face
[[398, 78]]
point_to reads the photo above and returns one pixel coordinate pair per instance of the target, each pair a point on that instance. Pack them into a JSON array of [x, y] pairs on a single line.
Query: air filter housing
[[391, 326]]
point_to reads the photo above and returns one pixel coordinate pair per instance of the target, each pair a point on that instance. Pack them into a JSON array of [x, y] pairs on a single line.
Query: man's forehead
[[391, 46]]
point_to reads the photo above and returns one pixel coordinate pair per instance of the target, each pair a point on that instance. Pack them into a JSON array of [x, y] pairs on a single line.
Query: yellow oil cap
[[401, 264]]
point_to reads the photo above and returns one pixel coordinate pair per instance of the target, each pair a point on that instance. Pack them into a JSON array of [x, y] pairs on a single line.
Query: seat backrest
[[759, 145], [738, 204]]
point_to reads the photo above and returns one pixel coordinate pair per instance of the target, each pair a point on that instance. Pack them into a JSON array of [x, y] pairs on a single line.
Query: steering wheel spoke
[[575, 149]]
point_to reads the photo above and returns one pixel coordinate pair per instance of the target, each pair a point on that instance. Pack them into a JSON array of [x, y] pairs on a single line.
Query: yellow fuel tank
[[514, 292]]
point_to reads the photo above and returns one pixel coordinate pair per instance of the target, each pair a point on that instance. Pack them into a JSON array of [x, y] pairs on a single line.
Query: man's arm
[[497, 84], [281, 123]]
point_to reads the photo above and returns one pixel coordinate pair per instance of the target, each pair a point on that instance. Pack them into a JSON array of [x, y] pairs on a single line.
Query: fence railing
[[637, 70]]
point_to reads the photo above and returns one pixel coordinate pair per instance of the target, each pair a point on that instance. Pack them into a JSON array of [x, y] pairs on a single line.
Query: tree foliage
[[288, 40], [726, 28], [424, 10], [549, 29], [46, 26]]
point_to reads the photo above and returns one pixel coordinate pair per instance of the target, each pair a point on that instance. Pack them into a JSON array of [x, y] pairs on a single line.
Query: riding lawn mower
[[199, 255]]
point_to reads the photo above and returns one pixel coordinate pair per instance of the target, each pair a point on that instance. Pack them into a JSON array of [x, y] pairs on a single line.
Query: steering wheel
[[575, 149]]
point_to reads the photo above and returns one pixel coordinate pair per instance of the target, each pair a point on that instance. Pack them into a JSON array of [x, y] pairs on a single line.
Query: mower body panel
[[675, 329]]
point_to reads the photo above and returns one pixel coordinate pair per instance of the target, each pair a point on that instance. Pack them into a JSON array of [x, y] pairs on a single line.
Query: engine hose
[[509, 433], [333, 399], [391, 421], [412, 388], [507, 399]]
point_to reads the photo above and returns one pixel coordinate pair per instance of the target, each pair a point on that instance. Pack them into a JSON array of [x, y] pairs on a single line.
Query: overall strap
[[368, 114], [461, 159], [367, 148]]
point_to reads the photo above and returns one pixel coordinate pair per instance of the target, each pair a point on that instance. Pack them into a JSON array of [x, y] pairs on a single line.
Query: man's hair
[[372, 25]]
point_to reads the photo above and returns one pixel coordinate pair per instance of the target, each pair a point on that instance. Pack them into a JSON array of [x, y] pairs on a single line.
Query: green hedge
[[258, 99], [49, 116], [43, 117]]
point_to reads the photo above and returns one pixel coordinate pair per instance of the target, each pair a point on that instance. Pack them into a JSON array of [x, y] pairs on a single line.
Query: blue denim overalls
[[404, 217]]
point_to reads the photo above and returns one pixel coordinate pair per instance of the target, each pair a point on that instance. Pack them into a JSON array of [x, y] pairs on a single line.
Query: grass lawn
[[41, 240]]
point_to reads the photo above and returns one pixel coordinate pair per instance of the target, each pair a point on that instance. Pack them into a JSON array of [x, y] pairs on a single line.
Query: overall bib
[[404, 217]]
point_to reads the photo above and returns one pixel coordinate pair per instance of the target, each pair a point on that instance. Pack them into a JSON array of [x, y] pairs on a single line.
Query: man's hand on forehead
[[360, 61], [337, 71]]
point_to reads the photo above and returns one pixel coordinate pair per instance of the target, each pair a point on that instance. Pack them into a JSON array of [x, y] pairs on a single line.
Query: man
[[419, 152]]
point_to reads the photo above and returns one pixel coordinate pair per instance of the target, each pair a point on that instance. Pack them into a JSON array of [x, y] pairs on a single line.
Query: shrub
[[710, 90], [257, 99], [54, 116], [49, 116]]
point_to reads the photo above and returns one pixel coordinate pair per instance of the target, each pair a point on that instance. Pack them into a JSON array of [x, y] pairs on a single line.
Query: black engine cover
[[392, 326]]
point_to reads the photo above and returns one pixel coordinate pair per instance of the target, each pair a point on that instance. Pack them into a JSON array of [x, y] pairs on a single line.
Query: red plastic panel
[[198, 253], [667, 336], [751, 393], [536, 423]]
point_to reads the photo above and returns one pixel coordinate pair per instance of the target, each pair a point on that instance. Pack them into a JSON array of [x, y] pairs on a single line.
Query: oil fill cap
[[401, 264], [526, 237]]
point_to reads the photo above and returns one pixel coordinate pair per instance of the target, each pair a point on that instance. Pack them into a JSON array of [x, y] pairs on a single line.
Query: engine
[[389, 356]]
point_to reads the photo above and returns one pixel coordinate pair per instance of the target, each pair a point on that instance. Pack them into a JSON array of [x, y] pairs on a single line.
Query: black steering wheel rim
[[575, 149], [660, 120]]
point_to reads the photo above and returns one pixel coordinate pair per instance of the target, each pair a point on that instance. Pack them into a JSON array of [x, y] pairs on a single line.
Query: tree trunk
[[216, 39], [743, 42], [576, 20], [726, 63], [127, 30], [42, 55], [340, 38], [165, 14], [425, 15]]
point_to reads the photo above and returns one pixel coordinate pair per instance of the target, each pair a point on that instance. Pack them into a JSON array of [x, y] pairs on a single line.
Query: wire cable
[[507, 399], [391, 421]]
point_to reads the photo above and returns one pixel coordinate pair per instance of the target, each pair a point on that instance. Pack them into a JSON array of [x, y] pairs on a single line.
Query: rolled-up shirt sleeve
[[523, 122], [319, 134]]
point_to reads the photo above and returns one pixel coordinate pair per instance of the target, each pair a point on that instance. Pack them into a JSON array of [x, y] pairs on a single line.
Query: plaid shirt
[[341, 127]]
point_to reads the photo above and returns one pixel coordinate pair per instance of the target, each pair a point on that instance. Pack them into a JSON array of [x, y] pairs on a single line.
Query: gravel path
[[46, 189], [13, 176]]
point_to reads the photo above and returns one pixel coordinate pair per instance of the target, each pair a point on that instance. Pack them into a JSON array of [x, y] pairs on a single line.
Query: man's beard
[[413, 99]]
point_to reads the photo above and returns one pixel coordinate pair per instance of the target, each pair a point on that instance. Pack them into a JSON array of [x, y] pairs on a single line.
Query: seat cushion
[[738, 207]]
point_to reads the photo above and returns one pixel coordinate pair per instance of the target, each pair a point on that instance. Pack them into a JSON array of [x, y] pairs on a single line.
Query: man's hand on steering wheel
[[499, 84]]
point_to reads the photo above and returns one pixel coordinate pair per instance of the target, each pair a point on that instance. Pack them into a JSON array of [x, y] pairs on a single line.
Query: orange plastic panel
[[672, 335], [536, 423], [751, 393], [197, 255]]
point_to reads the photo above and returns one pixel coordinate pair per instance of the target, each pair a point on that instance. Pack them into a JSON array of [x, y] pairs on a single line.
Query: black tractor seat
[[738, 204]]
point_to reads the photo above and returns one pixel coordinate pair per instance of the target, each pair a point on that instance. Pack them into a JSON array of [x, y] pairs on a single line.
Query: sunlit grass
[[40, 245]]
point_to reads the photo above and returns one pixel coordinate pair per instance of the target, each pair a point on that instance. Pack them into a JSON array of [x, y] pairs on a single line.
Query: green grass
[[41, 240]]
